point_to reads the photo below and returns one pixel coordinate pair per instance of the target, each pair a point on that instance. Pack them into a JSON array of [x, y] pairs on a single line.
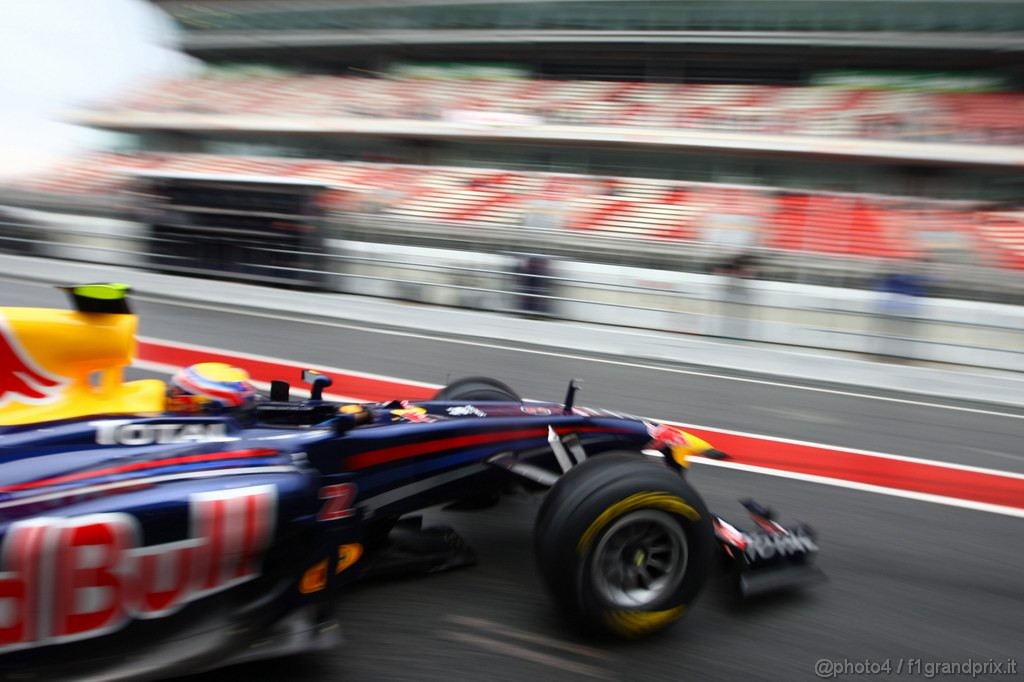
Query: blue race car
[[140, 539]]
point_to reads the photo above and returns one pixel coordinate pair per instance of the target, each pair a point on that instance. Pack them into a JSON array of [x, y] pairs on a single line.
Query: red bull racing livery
[[138, 542]]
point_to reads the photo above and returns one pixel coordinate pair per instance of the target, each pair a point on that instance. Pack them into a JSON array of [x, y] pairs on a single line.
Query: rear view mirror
[[317, 381]]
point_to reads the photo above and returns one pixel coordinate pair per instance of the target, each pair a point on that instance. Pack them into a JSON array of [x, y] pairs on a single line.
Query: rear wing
[[62, 364]]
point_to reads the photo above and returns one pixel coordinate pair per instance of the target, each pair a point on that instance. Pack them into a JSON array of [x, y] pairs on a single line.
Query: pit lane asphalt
[[910, 580]]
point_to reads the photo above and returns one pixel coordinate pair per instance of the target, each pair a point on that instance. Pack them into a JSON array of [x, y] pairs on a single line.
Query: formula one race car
[[139, 543]]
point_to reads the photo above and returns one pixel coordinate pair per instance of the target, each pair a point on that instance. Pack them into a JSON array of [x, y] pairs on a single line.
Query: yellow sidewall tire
[[584, 505]]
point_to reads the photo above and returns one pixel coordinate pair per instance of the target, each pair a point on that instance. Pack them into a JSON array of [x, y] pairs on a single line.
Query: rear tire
[[477, 388], [624, 544]]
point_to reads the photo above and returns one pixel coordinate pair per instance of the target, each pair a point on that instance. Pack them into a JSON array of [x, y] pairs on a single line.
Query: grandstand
[[873, 226], [855, 129], [973, 118]]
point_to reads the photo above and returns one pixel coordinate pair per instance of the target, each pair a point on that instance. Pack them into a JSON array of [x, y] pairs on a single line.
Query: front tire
[[624, 544]]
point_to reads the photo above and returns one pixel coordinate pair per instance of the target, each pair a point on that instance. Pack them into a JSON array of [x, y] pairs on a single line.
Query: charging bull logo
[[21, 378], [81, 577]]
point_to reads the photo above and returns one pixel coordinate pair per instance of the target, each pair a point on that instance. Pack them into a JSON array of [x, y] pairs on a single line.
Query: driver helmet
[[210, 388]]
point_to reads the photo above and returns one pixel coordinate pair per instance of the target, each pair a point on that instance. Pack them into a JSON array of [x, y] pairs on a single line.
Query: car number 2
[[338, 501]]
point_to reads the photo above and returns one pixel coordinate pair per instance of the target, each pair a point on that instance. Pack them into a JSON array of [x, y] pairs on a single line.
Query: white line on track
[[530, 637], [567, 356], [995, 453], [852, 451], [798, 414], [523, 653], [867, 487]]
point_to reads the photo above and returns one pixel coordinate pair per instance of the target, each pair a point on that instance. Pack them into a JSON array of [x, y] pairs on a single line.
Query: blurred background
[[721, 180], [835, 174]]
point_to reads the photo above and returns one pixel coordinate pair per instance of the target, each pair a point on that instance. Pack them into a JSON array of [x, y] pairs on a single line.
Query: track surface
[[910, 580]]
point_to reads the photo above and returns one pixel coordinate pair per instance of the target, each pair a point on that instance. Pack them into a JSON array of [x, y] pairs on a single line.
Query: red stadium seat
[[826, 223], [969, 117]]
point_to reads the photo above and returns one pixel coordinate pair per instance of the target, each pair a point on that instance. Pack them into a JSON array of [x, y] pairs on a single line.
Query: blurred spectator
[[546, 208], [735, 301], [535, 284], [380, 199], [900, 292], [732, 232]]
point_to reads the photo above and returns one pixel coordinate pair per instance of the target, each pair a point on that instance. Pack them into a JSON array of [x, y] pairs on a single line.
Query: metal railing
[[710, 306]]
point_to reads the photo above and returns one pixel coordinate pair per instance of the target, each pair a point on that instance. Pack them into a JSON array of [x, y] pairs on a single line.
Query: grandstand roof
[[692, 41], [199, 43], [233, 25], [882, 151]]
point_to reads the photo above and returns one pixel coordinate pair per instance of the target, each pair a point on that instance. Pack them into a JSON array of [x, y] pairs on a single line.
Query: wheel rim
[[640, 559]]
